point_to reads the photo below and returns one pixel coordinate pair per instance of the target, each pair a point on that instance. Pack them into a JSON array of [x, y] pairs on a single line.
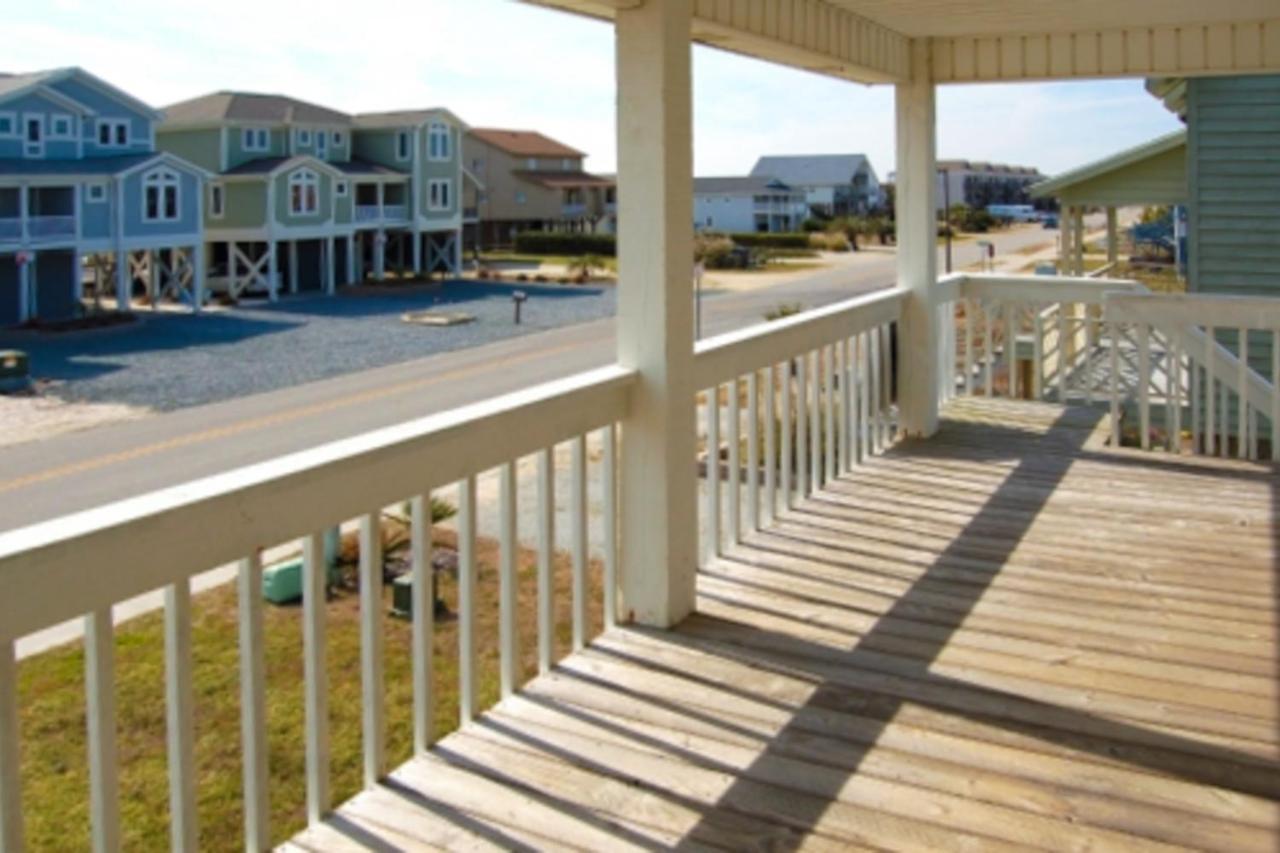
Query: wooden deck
[[1003, 637]]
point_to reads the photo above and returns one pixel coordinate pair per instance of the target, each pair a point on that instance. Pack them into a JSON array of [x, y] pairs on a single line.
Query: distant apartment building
[[522, 180], [747, 204], [978, 184], [833, 184], [305, 198], [83, 192]]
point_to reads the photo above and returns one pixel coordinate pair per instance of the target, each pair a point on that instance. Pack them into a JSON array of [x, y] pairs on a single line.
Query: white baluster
[[179, 717], [373, 693], [753, 451], [508, 598], [609, 506], [1144, 384], [713, 474], [100, 714], [735, 479], [770, 443], [578, 537], [315, 676], [1113, 332], [467, 682], [253, 706], [546, 555]]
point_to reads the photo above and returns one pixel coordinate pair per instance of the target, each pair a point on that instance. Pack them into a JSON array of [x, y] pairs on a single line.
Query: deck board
[[1004, 637]]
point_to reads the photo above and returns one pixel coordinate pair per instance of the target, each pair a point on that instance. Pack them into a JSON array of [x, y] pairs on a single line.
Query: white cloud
[[497, 62]]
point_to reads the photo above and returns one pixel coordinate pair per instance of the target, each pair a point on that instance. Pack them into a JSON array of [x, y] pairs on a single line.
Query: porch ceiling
[[988, 40]]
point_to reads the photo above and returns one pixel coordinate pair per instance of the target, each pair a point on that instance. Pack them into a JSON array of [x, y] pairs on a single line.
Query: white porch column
[[1077, 237], [293, 266], [197, 276], [1064, 240], [456, 257], [330, 270], [417, 250], [124, 282], [917, 246], [659, 516], [380, 254], [273, 271], [351, 259], [1113, 236]]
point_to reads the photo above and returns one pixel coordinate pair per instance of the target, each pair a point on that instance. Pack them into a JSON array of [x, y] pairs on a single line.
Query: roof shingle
[[524, 143]]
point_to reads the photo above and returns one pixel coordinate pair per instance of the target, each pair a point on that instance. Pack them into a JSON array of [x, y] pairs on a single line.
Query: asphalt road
[[76, 471]]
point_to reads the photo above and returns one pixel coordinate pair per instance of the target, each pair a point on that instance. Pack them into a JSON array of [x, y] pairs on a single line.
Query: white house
[[834, 184], [747, 204]]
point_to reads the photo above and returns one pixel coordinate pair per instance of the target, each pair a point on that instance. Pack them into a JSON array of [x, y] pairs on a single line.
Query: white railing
[[1210, 363], [368, 213], [50, 227], [10, 228], [81, 565], [1174, 362], [820, 387], [395, 211]]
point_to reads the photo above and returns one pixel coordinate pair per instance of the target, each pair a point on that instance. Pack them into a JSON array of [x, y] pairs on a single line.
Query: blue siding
[[43, 106], [107, 107], [189, 204], [95, 216]]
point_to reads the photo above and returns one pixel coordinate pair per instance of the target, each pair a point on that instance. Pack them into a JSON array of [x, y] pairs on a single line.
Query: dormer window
[[304, 192], [255, 139], [304, 137], [339, 139], [160, 189], [438, 142], [402, 145]]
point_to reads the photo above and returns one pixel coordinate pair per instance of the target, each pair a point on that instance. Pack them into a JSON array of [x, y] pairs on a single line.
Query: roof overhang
[[1118, 178], [987, 40]]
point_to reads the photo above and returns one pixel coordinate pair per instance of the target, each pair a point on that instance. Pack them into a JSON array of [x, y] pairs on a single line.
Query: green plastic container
[[282, 583]]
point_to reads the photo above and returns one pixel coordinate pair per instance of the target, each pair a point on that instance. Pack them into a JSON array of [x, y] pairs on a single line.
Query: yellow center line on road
[[277, 418]]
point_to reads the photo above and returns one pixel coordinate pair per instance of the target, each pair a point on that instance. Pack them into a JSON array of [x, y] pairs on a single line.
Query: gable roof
[[813, 170], [406, 118], [15, 84], [218, 107], [1107, 165], [524, 143], [267, 166], [738, 185]]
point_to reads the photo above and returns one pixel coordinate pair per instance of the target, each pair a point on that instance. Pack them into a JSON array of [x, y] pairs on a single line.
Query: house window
[[322, 144], [341, 189], [217, 201], [338, 139], [438, 141], [8, 124], [34, 136], [304, 137], [402, 145], [304, 192], [113, 133], [96, 193], [521, 198], [531, 164], [160, 196], [255, 139], [60, 127], [439, 193], [566, 164]]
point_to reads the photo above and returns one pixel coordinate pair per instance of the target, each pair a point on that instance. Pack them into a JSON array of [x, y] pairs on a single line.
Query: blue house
[[85, 196]]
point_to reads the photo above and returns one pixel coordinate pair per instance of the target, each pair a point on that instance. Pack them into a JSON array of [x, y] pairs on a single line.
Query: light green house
[[307, 198]]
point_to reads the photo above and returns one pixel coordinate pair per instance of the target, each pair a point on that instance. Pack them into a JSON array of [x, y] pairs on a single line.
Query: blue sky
[[502, 63]]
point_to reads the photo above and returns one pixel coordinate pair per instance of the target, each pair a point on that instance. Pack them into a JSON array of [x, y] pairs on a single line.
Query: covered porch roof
[[1154, 172], [987, 40]]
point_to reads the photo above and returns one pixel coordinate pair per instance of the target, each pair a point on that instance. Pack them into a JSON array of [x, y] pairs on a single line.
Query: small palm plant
[[585, 265]]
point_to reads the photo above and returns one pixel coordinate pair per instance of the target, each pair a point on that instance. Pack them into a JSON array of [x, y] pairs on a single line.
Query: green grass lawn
[[52, 702]]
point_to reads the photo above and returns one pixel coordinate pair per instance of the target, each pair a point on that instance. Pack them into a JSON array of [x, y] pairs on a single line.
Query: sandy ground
[[34, 416]]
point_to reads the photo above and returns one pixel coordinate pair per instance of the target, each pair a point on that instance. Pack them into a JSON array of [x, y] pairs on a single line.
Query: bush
[[973, 220], [830, 242], [552, 243], [754, 240], [812, 225], [785, 309], [715, 251]]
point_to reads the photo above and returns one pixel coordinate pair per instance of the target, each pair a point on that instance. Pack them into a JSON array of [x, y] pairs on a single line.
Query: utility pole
[[946, 211]]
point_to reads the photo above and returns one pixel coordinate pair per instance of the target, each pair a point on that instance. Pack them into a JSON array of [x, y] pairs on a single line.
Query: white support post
[[124, 281], [273, 271], [351, 259], [380, 255], [330, 271], [417, 250], [153, 277], [917, 246], [293, 266], [659, 533], [197, 276]]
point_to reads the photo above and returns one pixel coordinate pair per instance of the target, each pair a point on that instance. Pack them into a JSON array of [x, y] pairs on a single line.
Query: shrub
[[715, 251], [552, 243], [813, 225], [754, 240], [973, 220], [829, 242], [586, 265]]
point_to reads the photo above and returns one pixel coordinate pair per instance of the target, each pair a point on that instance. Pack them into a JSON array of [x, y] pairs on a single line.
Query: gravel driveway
[[170, 360]]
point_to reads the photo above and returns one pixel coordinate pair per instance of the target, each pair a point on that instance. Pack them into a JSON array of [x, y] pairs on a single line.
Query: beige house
[[525, 181]]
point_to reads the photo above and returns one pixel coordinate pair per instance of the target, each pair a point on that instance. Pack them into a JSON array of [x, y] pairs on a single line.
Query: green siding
[[1233, 217], [235, 145], [324, 206], [201, 147], [246, 204], [1158, 179], [442, 169]]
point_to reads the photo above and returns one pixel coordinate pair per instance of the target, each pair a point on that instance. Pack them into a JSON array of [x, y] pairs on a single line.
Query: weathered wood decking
[[1003, 637]]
